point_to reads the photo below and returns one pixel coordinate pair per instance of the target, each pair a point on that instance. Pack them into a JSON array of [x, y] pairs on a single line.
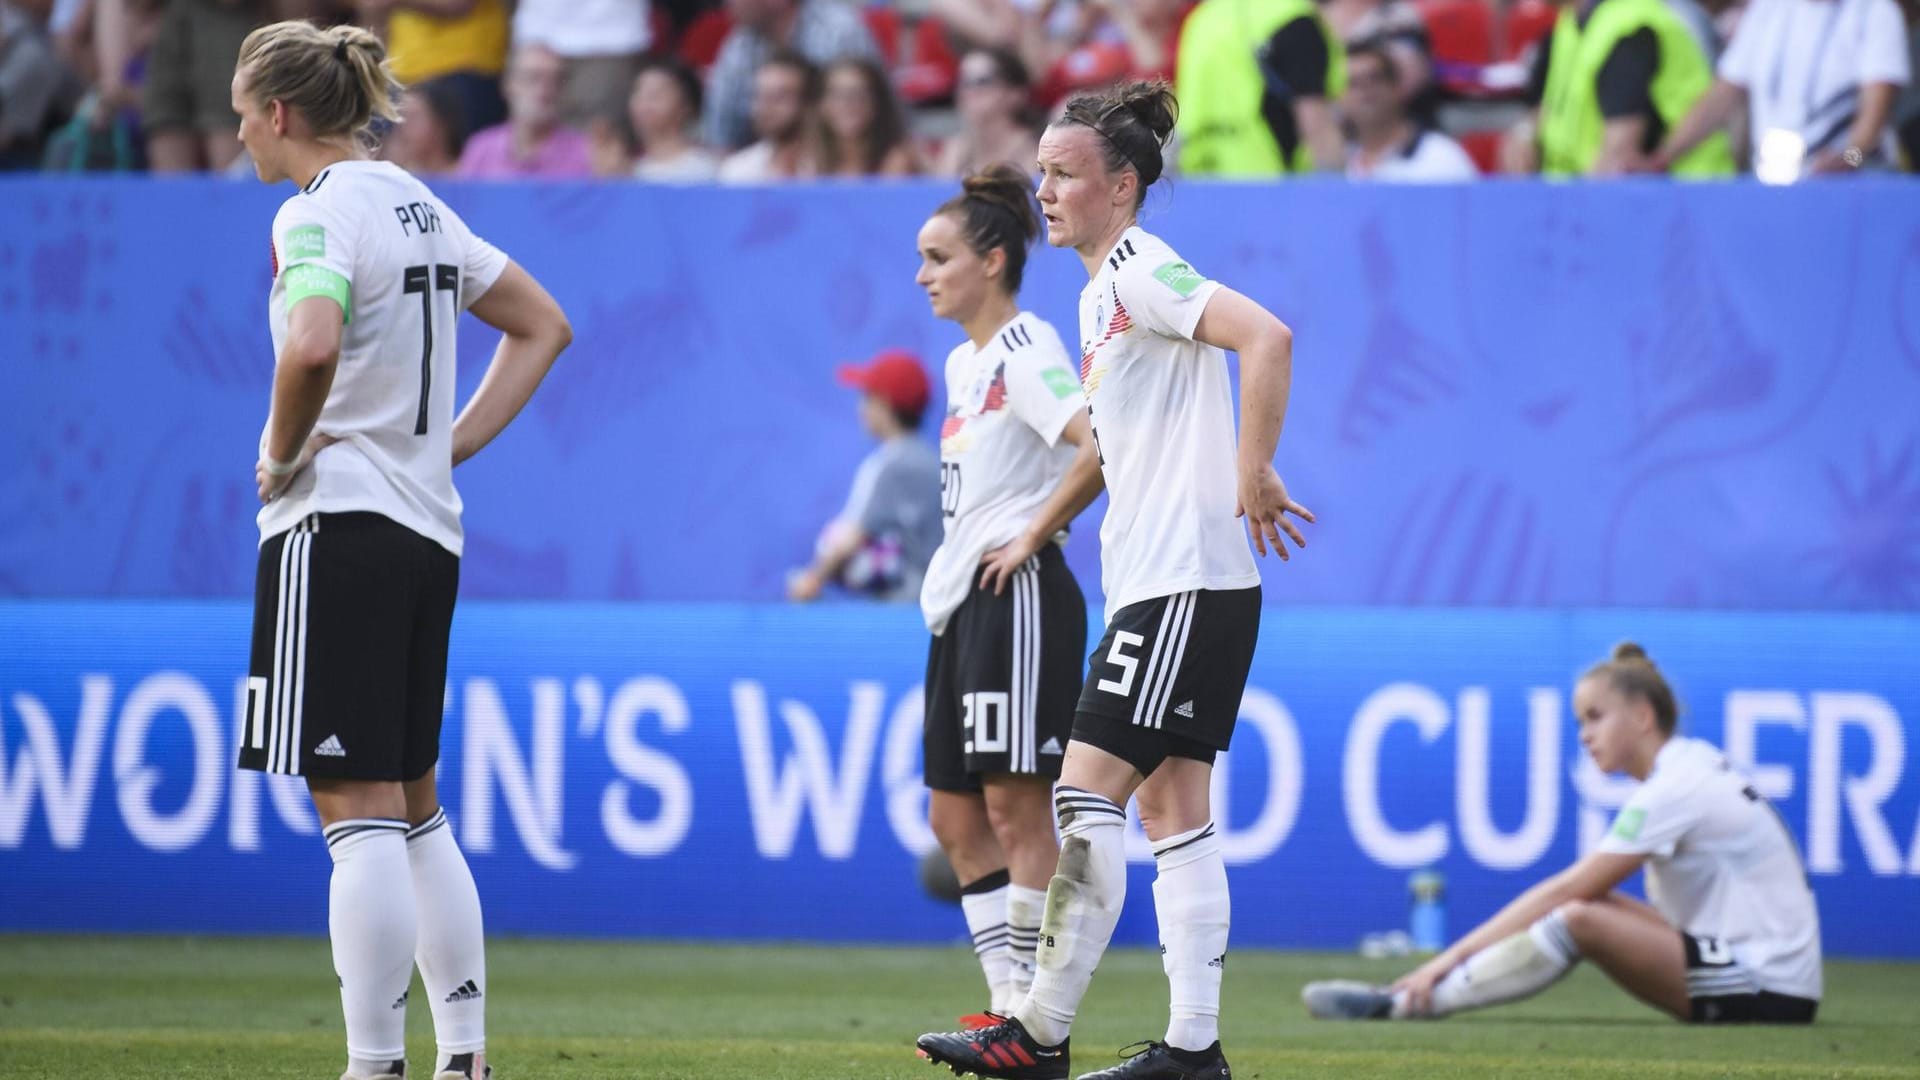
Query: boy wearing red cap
[[880, 543]]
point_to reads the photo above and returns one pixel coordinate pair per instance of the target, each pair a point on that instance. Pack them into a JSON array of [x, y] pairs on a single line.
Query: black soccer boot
[[1004, 1050]]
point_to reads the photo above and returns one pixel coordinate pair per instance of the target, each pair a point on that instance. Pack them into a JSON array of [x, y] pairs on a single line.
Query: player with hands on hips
[[360, 532], [1163, 687], [1009, 622]]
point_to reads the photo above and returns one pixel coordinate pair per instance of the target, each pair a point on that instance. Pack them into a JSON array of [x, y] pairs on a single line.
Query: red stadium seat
[[931, 69], [1527, 21], [1484, 148], [704, 35], [1461, 30], [884, 24]]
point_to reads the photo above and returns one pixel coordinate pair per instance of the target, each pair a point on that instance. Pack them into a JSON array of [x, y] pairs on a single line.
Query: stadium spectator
[[665, 112], [602, 42], [534, 142], [1605, 88], [994, 102], [1732, 935], [882, 540], [1818, 79], [461, 43], [822, 31], [37, 89], [432, 130], [1388, 143], [1257, 83], [1398, 25], [786, 96], [862, 130], [189, 119]]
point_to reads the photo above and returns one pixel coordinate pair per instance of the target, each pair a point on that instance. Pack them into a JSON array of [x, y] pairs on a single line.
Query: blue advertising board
[[752, 771]]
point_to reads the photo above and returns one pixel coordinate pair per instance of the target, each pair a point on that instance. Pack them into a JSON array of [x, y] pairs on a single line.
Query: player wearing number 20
[[1017, 464], [360, 532], [1183, 594]]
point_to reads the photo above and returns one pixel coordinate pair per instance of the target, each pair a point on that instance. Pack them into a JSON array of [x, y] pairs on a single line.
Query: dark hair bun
[[1152, 103], [1629, 650], [1005, 187]]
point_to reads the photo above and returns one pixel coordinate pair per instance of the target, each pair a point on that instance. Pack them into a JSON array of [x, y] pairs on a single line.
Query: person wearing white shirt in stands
[[1388, 144], [1819, 79], [1731, 934]]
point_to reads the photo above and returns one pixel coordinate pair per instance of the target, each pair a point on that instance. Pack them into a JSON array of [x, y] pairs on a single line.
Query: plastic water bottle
[[1429, 922]]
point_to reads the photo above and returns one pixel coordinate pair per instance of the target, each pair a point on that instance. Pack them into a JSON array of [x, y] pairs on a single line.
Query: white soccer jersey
[[411, 267], [1000, 452], [1162, 414], [1721, 864]]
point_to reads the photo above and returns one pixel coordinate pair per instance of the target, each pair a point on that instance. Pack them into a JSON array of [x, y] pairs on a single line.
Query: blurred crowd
[[754, 91]]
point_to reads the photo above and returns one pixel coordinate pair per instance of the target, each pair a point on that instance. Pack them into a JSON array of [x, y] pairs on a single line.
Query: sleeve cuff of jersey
[[1195, 307], [307, 280], [1069, 408], [485, 280]]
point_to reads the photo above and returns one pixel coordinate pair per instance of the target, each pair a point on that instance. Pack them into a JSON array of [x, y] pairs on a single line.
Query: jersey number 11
[[426, 280]]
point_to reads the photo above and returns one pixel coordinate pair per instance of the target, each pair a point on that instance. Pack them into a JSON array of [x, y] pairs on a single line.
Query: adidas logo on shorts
[[330, 747], [465, 992], [1185, 709], [1051, 746]]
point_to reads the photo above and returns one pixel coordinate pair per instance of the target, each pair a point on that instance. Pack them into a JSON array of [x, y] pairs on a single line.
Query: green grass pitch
[[262, 1008]]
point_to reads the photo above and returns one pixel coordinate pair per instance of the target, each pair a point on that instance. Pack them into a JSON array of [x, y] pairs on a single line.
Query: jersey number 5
[[426, 280]]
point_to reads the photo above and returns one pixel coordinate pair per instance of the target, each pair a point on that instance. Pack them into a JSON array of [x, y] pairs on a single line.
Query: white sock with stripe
[[984, 903], [452, 949], [1190, 901], [1023, 939], [1518, 967], [1083, 904], [370, 919]]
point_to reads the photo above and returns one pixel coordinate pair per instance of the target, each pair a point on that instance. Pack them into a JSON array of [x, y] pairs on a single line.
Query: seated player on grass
[[1732, 935]]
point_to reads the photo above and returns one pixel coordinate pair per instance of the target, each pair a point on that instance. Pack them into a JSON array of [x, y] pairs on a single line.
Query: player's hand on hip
[[271, 484], [998, 566], [1265, 504]]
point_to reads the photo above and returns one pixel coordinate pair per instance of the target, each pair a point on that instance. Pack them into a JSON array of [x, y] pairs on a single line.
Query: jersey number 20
[[426, 280]]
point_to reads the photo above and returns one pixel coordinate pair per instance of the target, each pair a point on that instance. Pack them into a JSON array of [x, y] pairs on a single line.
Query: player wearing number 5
[[360, 532], [1009, 622], [1183, 593], [1732, 934]]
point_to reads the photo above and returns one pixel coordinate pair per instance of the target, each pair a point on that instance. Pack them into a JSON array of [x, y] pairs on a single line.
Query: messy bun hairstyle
[[1134, 121], [995, 210], [337, 77], [1632, 673]]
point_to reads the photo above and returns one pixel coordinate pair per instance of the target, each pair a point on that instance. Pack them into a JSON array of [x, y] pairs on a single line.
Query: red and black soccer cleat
[[1004, 1050]]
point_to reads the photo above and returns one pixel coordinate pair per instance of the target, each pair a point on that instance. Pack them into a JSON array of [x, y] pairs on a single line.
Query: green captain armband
[[308, 280]]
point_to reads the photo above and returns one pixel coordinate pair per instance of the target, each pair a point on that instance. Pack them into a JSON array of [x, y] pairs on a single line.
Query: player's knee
[[959, 826], [1579, 917]]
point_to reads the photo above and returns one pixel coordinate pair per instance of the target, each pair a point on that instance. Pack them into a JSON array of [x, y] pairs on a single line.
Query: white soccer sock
[[1191, 902], [1023, 939], [1520, 966], [370, 919], [1083, 903], [452, 951], [985, 903]]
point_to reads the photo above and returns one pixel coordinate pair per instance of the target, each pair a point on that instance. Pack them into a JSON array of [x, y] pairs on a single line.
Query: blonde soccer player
[[1163, 688], [1732, 934], [360, 528], [1009, 622]]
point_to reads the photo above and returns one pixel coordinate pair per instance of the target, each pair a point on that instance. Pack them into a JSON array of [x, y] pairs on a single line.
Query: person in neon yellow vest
[[1607, 86], [1257, 80]]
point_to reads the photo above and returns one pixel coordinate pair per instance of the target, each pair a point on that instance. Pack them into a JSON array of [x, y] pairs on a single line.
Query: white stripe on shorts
[[1175, 619], [290, 650]]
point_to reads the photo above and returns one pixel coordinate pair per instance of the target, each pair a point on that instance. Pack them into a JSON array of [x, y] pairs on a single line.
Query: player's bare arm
[[1265, 344]]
